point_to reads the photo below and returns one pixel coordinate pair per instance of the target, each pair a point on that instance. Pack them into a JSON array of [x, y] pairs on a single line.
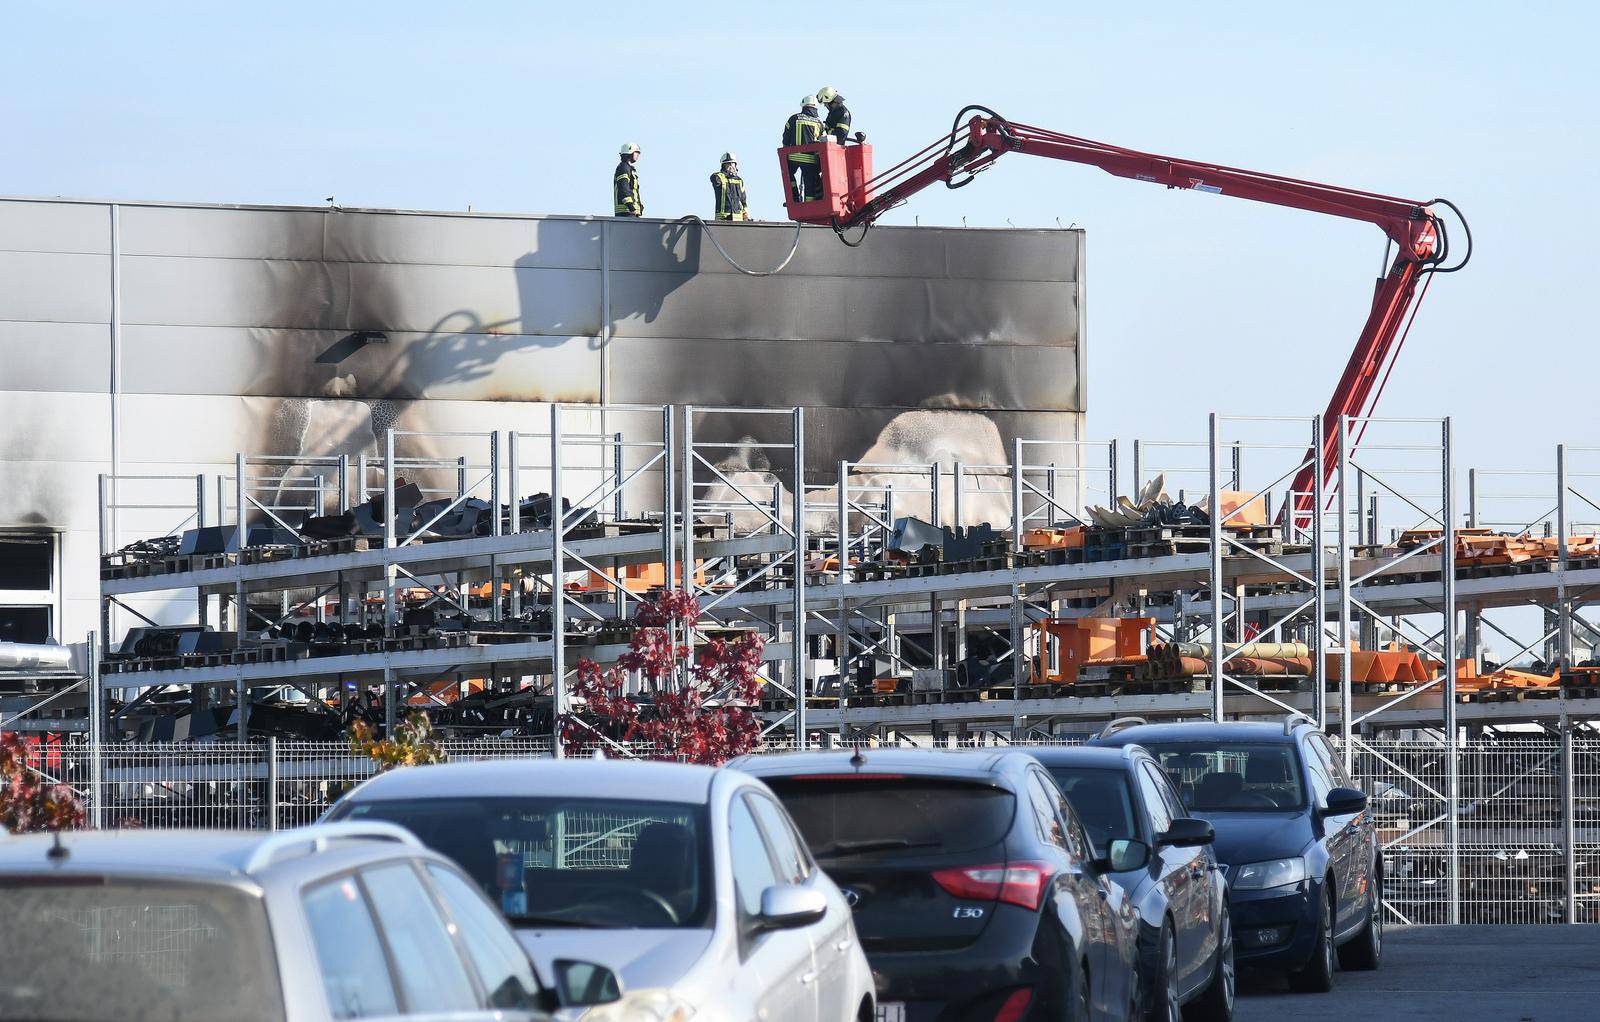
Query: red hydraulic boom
[[854, 197]]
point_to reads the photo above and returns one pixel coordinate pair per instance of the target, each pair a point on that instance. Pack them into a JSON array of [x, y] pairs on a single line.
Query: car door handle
[[843, 945], [808, 977]]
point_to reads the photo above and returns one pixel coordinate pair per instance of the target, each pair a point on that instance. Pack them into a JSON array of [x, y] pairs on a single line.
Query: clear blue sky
[[1195, 302]]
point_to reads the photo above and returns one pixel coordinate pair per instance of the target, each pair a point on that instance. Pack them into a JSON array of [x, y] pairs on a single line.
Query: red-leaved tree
[[27, 803], [692, 702]]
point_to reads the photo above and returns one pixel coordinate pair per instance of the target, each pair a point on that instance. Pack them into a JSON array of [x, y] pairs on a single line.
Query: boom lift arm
[[1416, 232]]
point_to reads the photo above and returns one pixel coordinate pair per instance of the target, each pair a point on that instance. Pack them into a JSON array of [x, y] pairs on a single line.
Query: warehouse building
[[152, 342]]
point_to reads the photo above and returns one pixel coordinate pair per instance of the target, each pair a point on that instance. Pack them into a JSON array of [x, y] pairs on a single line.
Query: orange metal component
[[1070, 643], [1242, 510], [1051, 539], [640, 578]]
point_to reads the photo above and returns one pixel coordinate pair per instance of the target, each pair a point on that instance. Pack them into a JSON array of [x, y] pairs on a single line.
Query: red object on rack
[[1412, 226]]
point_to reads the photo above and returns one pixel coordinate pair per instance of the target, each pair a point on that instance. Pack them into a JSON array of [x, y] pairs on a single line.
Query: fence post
[[91, 651], [272, 782], [1569, 823]]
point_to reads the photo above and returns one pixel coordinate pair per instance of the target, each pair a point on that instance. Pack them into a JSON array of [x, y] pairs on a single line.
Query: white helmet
[[808, 101], [827, 94], [628, 149], [729, 158]]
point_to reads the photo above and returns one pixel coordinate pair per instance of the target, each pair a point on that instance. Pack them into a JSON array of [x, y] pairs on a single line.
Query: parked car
[[1161, 857], [322, 923], [977, 892], [688, 882], [1295, 839]]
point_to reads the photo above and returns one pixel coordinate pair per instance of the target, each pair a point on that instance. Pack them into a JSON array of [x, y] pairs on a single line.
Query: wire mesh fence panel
[[1586, 828], [308, 777], [158, 785]]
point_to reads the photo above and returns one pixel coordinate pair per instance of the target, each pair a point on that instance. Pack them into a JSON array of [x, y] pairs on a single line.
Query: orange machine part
[[1070, 643], [641, 578]]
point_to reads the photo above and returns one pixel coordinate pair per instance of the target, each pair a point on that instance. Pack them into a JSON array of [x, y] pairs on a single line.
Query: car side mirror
[[584, 984], [788, 906], [1186, 833], [1124, 855], [1344, 802]]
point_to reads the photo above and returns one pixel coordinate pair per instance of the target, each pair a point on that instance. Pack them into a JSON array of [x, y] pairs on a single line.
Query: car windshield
[[1102, 800], [89, 949], [1233, 777], [890, 817], [569, 862]]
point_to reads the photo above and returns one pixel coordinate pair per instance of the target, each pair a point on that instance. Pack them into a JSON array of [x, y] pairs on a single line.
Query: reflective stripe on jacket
[[838, 123], [802, 129], [729, 190], [625, 191]]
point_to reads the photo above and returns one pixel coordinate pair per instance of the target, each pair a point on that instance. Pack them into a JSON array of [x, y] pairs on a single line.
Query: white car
[[690, 883]]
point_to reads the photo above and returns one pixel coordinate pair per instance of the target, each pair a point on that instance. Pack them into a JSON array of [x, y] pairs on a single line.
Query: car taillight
[[1015, 1005], [1016, 883]]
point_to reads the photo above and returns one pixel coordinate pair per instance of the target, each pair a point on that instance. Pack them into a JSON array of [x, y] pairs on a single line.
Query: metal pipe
[[1345, 569], [1215, 495], [1447, 572], [1319, 572], [97, 762], [1569, 822], [797, 652], [842, 630], [558, 606], [272, 782]]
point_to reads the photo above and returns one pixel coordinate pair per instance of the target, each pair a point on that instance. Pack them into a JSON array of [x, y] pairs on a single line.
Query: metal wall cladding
[[843, 374]]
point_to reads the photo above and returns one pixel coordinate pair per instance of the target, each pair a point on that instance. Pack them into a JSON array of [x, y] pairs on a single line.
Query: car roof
[[1110, 756], [969, 764], [1262, 732], [580, 778], [214, 854]]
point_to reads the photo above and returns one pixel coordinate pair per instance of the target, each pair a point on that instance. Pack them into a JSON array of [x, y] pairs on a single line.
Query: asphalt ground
[[1454, 973]]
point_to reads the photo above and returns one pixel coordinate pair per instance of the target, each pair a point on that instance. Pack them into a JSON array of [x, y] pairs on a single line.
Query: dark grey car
[[1163, 859]]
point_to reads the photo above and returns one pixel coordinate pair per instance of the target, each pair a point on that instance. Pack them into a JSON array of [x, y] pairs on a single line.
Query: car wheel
[[1365, 951], [1216, 1004], [1317, 976], [1164, 1004]]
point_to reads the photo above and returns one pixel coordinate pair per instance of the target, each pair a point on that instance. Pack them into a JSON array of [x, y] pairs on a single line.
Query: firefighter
[[625, 185], [728, 187], [838, 123], [804, 128]]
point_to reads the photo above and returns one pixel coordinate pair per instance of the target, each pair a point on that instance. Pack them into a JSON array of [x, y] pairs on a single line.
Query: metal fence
[[1523, 802]]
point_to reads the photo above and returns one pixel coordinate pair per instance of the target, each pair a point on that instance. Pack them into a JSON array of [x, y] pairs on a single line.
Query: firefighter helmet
[[826, 94], [628, 149]]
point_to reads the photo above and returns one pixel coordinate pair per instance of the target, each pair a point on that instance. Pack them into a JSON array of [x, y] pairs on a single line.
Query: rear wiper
[[879, 845]]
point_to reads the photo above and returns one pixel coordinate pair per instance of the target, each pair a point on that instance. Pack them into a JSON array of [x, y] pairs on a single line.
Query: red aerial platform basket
[[846, 173]]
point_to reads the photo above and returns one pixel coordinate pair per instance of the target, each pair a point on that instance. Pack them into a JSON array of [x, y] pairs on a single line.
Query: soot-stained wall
[[166, 337]]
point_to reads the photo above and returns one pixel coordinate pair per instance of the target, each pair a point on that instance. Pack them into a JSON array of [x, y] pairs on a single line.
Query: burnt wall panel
[[467, 241], [843, 374]]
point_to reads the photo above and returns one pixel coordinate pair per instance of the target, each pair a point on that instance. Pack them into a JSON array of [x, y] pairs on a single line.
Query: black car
[[1295, 839], [976, 890], [1161, 857]]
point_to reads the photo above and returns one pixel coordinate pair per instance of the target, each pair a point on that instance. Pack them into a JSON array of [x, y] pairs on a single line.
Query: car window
[[501, 963], [1154, 803], [780, 838], [355, 973], [1077, 838], [1233, 776], [1101, 798], [1169, 794], [1052, 827], [586, 861], [1321, 772], [1341, 776], [883, 818], [432, 976], [752, 865], [89, 946]]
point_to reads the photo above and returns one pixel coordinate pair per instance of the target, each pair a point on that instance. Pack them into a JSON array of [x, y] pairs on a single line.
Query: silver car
[[690, 883], [328, 922]]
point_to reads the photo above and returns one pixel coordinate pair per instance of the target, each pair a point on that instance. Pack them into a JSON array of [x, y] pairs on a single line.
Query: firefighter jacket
[[838, 123], [731, 201], [625, 191], [802, 129]]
